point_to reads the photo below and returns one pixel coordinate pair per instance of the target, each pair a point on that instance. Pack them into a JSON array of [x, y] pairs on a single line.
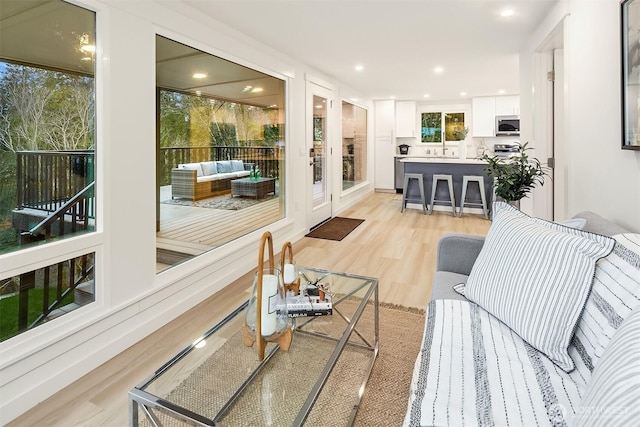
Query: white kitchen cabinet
[[406, 119], [484, 116], [508, 105]]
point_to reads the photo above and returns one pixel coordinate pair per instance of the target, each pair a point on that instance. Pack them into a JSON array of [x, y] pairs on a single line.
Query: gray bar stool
[[405, 187], [451, 200], [466, 179]]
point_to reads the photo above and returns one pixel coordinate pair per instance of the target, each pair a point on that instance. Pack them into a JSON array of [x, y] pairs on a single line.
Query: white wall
[[601, 177], [132, 301]]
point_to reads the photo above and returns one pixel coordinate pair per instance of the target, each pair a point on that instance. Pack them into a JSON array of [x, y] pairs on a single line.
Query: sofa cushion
[[535, 276], [192, 166], [237, 165], [612, 396], [223, 166], [474, 370], [614, 294], [209, 168]]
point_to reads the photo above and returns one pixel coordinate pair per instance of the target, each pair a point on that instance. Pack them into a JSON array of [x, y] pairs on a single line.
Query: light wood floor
[[397, 248]]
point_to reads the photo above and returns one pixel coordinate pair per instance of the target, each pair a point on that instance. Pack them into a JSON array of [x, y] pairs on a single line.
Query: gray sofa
[[473, 369], [194, 181]]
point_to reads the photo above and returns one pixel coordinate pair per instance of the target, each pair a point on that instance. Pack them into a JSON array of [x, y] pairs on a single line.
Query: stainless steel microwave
[[507, 125]]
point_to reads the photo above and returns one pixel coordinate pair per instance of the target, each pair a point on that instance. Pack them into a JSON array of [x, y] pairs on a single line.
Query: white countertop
[[453, 160]]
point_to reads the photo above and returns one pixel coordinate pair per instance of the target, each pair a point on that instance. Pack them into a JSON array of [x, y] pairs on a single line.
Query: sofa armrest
[[458, 252], [597, 224]]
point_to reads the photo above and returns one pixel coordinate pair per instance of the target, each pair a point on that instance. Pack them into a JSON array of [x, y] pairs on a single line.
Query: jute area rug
[[336, 228]]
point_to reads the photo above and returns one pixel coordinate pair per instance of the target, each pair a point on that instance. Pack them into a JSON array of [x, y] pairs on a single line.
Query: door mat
[[336, 228]]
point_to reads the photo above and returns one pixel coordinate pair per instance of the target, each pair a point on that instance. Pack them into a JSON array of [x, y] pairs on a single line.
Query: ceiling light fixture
[[256, 90], [392, 97], [426, 95], [359, 67], [463, 93], [247, 88], [438, 70], [501, 91], [88, 48], [506, 13], [318, 107], [199, 75]]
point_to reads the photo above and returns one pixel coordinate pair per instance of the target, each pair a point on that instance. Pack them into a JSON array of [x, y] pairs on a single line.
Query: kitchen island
[[428, 166]]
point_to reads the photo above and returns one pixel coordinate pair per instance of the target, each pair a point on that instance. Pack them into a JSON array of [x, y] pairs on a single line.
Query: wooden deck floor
[[188, 231]]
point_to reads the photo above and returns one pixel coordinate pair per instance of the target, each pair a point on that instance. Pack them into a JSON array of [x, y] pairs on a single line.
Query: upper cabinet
[[508, 105], [486, 108], [484, 116], [406, 119]]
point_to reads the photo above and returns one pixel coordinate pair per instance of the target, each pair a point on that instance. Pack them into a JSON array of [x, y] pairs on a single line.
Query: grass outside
[[9, 310]]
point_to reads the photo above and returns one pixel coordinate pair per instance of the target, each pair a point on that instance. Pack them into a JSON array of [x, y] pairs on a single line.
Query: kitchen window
[[432, 125]]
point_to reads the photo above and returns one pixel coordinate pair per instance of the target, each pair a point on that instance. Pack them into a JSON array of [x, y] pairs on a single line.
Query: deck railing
[[265, 158], [46, 180]]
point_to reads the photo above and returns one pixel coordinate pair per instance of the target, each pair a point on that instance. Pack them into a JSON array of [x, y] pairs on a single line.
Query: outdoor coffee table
[[253, 187], [319, 381]]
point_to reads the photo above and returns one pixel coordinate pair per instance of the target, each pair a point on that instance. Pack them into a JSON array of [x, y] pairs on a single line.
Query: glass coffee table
[[217, 381]]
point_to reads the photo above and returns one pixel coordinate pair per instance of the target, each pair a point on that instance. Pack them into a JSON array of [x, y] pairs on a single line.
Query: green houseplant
[[516, 176]]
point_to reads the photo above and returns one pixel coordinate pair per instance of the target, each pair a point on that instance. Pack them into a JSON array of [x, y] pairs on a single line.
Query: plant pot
[[404, 148]]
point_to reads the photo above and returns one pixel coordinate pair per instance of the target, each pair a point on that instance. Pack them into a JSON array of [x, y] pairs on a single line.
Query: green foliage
[[461, 134], [9, 310], [515, 176], [223, 134]]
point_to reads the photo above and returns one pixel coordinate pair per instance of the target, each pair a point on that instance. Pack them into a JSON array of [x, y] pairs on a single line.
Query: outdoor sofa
[[195, 181], [546, 333]]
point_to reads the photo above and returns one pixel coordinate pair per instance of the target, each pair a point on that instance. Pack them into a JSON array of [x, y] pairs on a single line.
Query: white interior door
[[319, 144]]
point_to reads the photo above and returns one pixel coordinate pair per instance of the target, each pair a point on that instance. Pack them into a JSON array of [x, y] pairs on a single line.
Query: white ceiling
[[398, 42]]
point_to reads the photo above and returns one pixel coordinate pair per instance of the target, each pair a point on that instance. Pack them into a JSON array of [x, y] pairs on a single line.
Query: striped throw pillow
[[614, 294], [535, 276], [612, 397]]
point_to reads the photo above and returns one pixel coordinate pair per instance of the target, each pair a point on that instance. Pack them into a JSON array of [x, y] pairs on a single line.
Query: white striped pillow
[[612, 396], [535, 276], [614, 294]]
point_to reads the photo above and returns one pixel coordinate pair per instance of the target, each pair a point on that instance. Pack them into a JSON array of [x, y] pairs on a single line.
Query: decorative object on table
[[515, 176], [630, 27], [404, 148], [314, 299], [267, 319], [290, 278]]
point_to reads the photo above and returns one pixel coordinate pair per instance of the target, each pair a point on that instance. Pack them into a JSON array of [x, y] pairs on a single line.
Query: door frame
[[324, 211]]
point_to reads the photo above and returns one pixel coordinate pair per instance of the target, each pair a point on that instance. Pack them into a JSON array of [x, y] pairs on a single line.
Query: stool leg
[[433, 195], [421, 185], [453, 200], [485, 210], [405, 187], [464, 194]]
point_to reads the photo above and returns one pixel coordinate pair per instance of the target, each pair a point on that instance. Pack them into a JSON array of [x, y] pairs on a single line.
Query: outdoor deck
[[187, 231]]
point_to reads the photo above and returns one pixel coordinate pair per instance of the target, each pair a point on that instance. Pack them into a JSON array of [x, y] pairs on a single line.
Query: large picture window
[[47, 143], [221, 149], [354, 145]]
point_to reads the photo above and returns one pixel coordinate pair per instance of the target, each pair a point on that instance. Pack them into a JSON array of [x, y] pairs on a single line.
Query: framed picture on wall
[[630, 38]]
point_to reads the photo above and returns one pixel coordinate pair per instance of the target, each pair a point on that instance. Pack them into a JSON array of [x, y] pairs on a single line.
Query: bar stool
[[466, 179], [449, 179], [405, 187]]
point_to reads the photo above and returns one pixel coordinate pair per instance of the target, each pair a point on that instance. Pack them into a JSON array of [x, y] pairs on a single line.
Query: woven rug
[[384, 401], [336, 228], [225, 202]]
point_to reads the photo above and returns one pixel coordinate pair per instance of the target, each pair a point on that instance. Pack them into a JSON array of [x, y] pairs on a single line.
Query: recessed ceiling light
[[392, 97], [463, 93], [426, 95], [438, 70], [318, 106], [256, 90], [501, 91], [199, 75], [506, 13], [272, 106], [88, 48], [198, 93], [359, 67]]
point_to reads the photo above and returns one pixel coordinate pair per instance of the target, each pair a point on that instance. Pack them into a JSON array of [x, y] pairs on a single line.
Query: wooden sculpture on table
[[291, 279], [267, 319]]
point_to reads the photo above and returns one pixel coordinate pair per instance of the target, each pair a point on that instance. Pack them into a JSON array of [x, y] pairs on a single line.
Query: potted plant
[[514, 177]]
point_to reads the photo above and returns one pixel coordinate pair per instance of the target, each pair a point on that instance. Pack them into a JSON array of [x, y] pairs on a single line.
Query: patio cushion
[[192, 166], [237, 165], [209, 168], [223, 166]]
